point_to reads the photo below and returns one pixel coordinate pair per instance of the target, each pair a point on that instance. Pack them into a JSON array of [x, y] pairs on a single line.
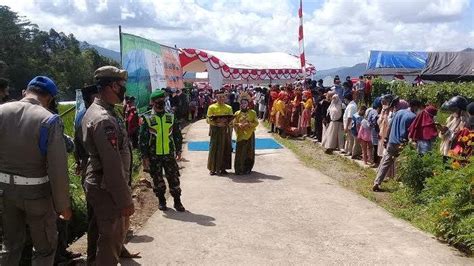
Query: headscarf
[[298, 98], [377, 103], [282, 95], [423, 127], [335, 108], [402, 104]]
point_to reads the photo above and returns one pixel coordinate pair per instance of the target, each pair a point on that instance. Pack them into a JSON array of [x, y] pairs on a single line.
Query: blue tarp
[[260, 144], [395, 63]]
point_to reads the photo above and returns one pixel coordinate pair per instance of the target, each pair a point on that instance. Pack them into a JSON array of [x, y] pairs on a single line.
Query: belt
[[21, 180]]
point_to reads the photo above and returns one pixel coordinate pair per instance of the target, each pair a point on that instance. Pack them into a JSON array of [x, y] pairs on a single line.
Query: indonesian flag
[[301, 39]]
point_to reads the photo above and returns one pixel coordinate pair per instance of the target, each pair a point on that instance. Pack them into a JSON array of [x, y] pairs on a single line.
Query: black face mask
[[121, 93], [160, 105], [53, 106]]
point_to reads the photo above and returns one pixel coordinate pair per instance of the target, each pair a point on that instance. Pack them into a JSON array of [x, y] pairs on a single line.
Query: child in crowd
[[365, 139], [356, 123]]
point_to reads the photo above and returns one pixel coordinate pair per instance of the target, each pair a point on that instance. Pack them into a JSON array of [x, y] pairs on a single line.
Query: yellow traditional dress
[[245, 123], [220, 147]]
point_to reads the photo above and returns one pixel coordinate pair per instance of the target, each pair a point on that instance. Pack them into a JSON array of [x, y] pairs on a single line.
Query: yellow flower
[[444, 213], [465, 139], [451, 154], [456, 165]]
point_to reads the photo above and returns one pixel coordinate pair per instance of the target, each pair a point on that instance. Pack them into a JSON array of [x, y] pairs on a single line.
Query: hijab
[[423, 127], [335, 108]]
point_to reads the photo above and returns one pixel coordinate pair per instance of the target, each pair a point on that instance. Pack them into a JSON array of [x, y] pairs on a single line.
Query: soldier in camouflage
[[160, 144]]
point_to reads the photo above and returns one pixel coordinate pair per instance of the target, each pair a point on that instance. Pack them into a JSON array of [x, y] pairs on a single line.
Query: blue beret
[[45, 84]]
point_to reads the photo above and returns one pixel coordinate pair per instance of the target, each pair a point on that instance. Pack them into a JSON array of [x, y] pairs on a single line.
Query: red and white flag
[[301, 40]]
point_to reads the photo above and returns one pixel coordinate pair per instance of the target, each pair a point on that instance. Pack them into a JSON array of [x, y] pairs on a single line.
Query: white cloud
[[340, 32]]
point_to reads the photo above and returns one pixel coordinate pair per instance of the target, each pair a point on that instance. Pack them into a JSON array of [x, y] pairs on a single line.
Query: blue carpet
[[260, 144]]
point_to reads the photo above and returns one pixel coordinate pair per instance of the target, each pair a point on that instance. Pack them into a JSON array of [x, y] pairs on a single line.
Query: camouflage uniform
[[162, 125]]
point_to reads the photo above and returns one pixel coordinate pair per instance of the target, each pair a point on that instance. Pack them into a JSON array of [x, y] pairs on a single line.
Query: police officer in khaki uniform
[[107, 174], [33, 174]]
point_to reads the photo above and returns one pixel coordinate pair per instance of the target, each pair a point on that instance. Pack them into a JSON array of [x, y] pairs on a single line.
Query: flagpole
[[301, 42], [120, 40]]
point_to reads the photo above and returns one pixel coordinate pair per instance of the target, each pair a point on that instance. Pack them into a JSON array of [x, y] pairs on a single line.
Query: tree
[[28, 52]]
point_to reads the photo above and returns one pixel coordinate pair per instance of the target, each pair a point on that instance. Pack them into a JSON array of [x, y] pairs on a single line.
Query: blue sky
[[337, 32]]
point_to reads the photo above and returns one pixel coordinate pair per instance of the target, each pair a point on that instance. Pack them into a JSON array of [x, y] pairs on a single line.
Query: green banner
[[150, 66]]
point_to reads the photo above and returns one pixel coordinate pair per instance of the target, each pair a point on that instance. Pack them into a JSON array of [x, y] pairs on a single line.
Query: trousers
[[40, 216], [349, 145], [168, 163], [109, 222], [390, 154]]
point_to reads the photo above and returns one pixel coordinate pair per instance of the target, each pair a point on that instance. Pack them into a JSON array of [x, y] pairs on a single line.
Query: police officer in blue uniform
[[33, 174]]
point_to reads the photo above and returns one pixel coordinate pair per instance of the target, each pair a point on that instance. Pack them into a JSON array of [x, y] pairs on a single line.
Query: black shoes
[[178, 205], [162, 203]]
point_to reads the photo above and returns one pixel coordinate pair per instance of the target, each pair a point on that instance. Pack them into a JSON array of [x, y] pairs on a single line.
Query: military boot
[[178, 205], [162, 203]]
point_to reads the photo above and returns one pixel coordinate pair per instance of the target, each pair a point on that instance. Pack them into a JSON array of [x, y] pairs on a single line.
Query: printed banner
[[150, 66]]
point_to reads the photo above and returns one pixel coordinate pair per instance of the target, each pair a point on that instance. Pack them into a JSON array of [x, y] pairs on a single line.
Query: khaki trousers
[[40, 216]]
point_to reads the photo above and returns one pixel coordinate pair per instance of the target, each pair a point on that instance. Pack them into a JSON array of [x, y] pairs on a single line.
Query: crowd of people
[[34, 185], [347, 118]]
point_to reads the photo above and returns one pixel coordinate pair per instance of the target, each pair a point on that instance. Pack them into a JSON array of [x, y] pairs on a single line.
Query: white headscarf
[[335, 109]]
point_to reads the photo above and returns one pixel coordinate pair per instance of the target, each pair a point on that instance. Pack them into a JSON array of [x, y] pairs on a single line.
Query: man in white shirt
[[351, 109]]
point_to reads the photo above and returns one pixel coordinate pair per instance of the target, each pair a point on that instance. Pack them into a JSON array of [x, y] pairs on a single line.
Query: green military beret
[[157, 94]]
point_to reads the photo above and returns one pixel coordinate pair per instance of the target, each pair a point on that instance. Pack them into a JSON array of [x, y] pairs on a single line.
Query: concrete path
[[284, 213]]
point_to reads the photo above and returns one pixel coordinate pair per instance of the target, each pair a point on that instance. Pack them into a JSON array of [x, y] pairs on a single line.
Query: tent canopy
[[449, 66], [396, 63], [243, 66]]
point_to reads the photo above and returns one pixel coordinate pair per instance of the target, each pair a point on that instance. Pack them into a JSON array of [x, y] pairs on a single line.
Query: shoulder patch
[[111, 135], [152, 120], [169, 118]]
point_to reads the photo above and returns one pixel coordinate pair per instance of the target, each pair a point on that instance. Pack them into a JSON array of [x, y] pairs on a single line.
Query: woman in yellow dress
[[219, 117], [245, 123]]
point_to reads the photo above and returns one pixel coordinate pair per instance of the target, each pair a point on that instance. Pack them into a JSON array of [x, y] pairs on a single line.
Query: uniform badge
[[111, 136], [169, 119]]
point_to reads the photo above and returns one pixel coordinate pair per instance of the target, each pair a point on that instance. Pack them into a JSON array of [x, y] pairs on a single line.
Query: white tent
[[244, 68]]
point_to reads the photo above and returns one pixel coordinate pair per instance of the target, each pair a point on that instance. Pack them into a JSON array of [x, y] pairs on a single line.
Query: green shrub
[[449, 197], [413, 169], [433, 93], [380, 87]]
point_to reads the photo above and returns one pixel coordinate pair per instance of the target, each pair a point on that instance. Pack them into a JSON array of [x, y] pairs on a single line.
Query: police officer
[[160, 139], [33, 174], [107, 175]]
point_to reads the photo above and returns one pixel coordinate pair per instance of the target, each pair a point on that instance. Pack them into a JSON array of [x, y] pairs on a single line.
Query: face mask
[[160, 105], [53, 106], [121, 93]]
